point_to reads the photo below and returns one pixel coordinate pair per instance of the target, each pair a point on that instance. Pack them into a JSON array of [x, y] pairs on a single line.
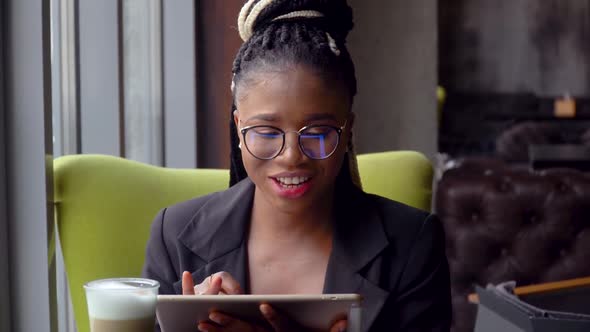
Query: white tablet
[[182, 313]]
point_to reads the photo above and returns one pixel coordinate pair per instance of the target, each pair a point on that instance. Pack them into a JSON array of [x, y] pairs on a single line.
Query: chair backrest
[[104, 207]]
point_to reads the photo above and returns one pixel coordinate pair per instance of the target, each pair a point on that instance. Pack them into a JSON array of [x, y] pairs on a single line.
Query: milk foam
[[118, 301]]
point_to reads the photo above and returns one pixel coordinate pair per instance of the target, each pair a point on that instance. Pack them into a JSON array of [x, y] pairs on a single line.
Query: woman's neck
[[306, 223]]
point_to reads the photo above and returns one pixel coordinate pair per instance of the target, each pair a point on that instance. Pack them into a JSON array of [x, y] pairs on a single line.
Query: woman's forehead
[[302, 115], [298, 91], [295, 77], [301, 110]]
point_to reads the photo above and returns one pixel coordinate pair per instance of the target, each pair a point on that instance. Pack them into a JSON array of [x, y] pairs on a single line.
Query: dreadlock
[[281, 33]]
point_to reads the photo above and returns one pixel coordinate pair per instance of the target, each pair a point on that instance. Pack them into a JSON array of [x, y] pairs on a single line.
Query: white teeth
[[293, 181]]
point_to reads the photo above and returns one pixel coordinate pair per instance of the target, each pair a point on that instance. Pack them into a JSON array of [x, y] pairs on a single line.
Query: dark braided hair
[[283, 33]]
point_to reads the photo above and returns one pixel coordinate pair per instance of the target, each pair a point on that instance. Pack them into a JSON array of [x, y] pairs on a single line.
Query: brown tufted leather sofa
[[508, 223], [513, 143]]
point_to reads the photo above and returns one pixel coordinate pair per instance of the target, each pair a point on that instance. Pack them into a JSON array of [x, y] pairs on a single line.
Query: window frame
[[26, 167], [5, 319]]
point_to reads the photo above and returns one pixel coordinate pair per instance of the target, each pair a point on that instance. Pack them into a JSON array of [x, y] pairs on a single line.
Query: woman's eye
[[318, 131], [267, 133]]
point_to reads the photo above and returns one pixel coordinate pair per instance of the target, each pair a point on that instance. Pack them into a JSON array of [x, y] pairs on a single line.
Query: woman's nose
[[292, 152]]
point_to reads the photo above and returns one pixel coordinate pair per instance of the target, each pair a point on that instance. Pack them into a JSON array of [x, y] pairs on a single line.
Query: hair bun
[[335, 15]]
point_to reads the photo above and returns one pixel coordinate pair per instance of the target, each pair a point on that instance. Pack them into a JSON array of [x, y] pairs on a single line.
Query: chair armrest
[[544, 288]]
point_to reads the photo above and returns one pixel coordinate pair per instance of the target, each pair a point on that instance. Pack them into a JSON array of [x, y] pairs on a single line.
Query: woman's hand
[[220, 322], [282, 323], [224, 283], [217, 283]]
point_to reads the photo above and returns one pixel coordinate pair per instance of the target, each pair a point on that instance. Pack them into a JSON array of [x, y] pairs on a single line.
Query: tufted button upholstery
[[507, 223], [513, 143]]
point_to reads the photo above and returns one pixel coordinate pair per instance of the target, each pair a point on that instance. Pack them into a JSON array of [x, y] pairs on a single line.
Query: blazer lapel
[[342, 278], [233, 262], [217, 234], [359, 238], [217, 237]]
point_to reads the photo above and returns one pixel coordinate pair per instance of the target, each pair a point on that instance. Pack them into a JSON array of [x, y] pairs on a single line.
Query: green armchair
[[104, 206]]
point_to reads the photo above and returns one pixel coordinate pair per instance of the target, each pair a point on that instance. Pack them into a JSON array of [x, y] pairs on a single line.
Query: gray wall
[[512, 46], [394, 46]]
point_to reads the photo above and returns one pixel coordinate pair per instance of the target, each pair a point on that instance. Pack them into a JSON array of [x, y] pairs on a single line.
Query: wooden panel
[[217, 44], [538, 46]]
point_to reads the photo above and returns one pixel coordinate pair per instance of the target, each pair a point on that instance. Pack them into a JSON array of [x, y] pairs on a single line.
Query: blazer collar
[[218, 232], [220, 226], [359, 235], [358, 239]]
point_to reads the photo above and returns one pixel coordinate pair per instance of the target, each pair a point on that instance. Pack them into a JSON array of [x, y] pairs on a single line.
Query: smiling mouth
[[291, 182]]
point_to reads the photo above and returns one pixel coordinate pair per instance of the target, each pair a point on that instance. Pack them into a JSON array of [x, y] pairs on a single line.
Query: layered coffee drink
[[122, 305], [129, 325]]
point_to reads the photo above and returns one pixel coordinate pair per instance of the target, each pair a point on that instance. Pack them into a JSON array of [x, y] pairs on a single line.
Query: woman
[[295, 220]]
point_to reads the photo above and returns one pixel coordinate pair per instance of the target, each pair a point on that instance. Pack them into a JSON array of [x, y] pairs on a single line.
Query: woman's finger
[[221, 322], [188, 285], [229, 323], [205, 287], [209, 327], [278, 321], [211, 286], [229, 285], [339, 326]]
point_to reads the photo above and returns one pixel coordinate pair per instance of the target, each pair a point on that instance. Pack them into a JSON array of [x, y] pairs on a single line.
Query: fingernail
[[216, 318], [202, 328], [265, 310]]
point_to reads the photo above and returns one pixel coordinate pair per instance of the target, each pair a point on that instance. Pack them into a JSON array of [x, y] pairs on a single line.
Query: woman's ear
[[236, 115]]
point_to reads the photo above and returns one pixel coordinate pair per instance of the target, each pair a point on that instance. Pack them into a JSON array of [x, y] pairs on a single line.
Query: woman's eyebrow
[[269, 117], [264, 117], [320, 116]]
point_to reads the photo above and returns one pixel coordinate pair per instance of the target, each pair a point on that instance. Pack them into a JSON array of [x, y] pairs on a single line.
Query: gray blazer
[[391, 254]]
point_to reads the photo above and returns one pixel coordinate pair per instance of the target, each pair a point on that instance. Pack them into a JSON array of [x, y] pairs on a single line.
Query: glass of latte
[[122, 304]]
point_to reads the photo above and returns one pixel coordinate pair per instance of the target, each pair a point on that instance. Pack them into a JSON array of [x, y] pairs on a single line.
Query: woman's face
[[290, 100]]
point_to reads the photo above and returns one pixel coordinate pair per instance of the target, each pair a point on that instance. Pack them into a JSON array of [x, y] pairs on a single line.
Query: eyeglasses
[[315, 141]]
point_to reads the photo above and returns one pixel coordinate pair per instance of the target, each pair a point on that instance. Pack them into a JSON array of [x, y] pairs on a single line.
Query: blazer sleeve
[[158, 265], [424, 300]]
